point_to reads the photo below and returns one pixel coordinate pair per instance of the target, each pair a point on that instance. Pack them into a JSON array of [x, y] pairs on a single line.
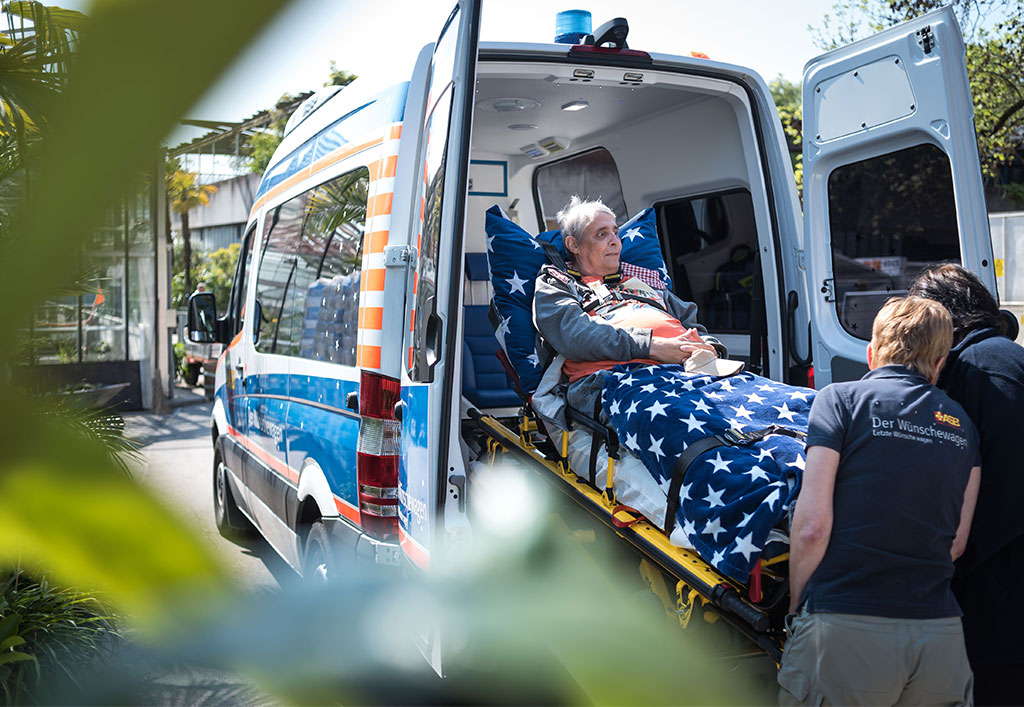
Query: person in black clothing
[[985, 374]]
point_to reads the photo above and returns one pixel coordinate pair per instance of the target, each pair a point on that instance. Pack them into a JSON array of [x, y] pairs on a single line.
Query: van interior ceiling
[[684, 144]]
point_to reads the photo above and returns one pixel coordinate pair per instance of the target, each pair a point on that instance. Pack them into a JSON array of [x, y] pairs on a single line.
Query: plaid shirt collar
[[651, 278]]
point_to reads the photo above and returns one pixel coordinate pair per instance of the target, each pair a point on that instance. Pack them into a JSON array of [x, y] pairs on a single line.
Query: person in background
[[985, 374], [885, 507]]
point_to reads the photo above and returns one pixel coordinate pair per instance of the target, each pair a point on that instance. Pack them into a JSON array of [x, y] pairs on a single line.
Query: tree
[[787, 99], [994, 35], [263, 144], [185, 195]]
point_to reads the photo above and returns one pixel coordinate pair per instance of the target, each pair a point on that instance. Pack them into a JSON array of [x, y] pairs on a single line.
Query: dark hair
[[960, 291]]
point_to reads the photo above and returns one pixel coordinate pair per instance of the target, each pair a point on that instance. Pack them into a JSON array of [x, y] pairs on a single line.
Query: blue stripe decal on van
[[385, 108]]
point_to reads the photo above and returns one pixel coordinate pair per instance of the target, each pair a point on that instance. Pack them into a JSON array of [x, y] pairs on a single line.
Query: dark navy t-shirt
[[905, 453]]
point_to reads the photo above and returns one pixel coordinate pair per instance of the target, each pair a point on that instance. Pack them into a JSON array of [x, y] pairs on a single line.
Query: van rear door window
[[889, 218], [590, 175]]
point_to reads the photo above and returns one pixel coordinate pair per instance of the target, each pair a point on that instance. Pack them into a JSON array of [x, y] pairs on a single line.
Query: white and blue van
[[358, 354]]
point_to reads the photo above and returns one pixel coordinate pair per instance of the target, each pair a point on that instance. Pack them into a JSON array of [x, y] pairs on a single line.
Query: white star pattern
[[714, 498], [799, 395], [671, 394], [657, 409], [746, 519], [717, 558], [534, 359], [767, 388], [655, 447], [725, 384], [772, 499], [684, 493], [516, 283], [631, 234], [784, 412], [716, 396], [692, 423], [629, 380], [719, 463], [688, 528], [535, 244], [745, 547], [490, 244], [702, 406], [686, 383], [713, 528], [755, 398], [741, 411], [613, 409], [765, 454], [649, 388], [503, 329], [756, 473], [631, 442], [631, 410], [800, 463]]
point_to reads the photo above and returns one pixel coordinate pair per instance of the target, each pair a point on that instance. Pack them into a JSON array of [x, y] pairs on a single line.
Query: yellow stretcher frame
[[697, 583]]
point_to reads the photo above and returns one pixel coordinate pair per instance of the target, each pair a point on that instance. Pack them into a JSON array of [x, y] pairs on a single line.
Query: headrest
[[515, 259]]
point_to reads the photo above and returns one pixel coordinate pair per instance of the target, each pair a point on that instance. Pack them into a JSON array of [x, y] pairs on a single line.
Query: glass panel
[[278, 332], [141, 279], [236, 307], [710, 243], [329, 261], [889, 218], [590, 175]]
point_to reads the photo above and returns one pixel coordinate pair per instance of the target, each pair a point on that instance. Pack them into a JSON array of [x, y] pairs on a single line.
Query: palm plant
[[185, 195]]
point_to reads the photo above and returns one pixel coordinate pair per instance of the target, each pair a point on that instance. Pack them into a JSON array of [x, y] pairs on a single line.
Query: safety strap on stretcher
[[729, 438]]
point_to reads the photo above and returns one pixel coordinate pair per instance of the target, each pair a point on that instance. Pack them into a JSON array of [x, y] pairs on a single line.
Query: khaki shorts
[[842, 659]]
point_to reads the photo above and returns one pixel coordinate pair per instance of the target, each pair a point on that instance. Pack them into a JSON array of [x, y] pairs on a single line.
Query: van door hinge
[[925, 39], [399, 256], [827, 289]]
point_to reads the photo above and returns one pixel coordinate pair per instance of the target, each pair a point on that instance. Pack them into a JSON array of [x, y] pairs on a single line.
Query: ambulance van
[[359, 380]]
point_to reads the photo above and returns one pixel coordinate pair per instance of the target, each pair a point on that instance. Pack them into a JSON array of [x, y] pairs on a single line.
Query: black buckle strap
[[729, 438]]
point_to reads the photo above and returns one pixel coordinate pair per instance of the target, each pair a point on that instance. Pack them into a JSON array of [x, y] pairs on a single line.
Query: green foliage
[[994, 34], [789, 103], [339, 77], [216, 269], [59, 634]]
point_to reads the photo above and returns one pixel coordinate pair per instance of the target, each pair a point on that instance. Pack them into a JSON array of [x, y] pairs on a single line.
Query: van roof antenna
[[611, 32]]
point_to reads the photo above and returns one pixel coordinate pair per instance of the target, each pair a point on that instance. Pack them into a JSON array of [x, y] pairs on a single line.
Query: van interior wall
[[669, 140]]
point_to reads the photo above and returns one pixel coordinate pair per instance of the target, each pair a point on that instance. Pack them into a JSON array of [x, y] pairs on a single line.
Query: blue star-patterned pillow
[[515, 257]]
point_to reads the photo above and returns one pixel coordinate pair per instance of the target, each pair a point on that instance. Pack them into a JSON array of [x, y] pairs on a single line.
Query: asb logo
[[945, 419]]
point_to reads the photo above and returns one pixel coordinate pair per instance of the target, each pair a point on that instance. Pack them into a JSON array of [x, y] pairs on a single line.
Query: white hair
[[578, 214]]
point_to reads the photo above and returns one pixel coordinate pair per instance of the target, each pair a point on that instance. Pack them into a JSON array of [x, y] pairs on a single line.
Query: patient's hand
[[677, 349]]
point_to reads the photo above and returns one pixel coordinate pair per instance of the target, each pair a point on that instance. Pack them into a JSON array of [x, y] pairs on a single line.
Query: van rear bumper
[[354, 548]]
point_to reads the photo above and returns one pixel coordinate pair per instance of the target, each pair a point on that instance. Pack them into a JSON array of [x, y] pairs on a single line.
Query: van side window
[[308, 286], [329, 261], [591, 175], [709, 243], [236, 304], [889, 218]]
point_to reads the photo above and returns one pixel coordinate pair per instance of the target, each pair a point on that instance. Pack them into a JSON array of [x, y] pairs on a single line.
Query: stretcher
[[609, 483]]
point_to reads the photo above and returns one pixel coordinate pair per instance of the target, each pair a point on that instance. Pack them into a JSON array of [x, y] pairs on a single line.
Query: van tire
[[318, 564], [230, 521]]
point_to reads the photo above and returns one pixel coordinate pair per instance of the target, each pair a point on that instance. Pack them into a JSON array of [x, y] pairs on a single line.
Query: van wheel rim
[[221, 481]]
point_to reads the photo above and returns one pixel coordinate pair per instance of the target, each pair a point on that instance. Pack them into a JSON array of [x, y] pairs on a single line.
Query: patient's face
[[599, 247]]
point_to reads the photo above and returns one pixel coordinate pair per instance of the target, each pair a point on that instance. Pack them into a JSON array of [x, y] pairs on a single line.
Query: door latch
[[925, 39], [399, 256], [828, 289]]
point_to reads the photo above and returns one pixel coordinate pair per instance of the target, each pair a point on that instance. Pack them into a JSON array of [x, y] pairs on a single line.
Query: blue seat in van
[[484, 382]]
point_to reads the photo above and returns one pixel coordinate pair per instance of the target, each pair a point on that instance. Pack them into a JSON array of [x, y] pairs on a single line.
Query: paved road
[[177, 464]]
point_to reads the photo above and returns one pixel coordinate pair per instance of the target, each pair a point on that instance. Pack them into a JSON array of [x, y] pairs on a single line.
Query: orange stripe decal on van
[[375, 242], [371, 317], [368, 356], [380, 205], [372, 280], [347, 509], [395, 132]]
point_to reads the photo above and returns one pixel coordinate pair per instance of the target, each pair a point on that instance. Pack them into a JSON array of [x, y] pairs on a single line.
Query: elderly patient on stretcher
[[724, 448]]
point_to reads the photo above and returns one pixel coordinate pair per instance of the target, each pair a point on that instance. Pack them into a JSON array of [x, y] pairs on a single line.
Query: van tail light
[[810, 376], [377, 460]]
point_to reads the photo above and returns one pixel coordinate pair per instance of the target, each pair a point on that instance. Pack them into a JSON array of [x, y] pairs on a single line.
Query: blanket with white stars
[[732, 496]]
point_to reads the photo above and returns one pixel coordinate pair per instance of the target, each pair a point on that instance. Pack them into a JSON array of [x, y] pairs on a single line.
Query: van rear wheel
[[318, 565], [230, 521]]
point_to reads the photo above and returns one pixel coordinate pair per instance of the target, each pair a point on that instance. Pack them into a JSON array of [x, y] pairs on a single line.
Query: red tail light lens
[[378, 395], [377, 459]]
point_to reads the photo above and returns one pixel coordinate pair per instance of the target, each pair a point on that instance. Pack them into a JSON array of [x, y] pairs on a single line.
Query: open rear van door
[[892, 181], [431, 460]]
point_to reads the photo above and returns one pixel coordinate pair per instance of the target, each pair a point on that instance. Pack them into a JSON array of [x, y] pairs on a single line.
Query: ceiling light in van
[[533, 150], [575, 105], [507, 105], [554, 144], [522, 126]]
